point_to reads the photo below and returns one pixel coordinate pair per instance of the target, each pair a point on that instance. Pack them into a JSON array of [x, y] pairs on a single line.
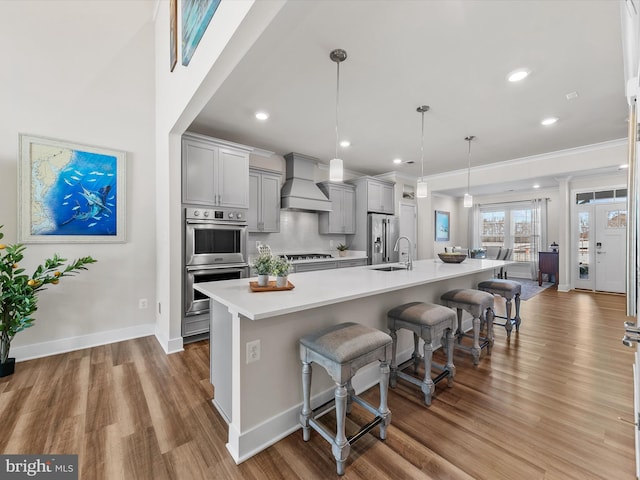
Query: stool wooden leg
[[517, 319], [340, 447], [450, 367], [459, 331], [306, 412], [507, 325], [475, 350], [416, 355], [394, 348], [384, 411], [490, 316], [428, 387], [350, 394]]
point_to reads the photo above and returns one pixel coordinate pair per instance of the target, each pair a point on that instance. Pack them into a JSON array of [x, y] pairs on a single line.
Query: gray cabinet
[[214, 172], [377, 195], [341, 218], [264, 201], [313, 266], [354, 262]]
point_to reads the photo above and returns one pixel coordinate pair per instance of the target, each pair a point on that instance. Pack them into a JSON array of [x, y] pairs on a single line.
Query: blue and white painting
[[196, 15], [73, 192]]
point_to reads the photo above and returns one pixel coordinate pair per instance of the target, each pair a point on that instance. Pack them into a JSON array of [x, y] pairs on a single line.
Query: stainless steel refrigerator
[[382, 234]]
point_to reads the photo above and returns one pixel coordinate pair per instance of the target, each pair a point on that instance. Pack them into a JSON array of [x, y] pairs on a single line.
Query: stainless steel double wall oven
[[215, 248]]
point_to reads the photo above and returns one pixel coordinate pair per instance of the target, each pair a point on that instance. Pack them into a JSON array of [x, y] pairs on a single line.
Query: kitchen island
[[255, 364]]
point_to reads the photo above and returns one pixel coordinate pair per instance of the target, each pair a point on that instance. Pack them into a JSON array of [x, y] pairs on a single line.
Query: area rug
[[530, 288]]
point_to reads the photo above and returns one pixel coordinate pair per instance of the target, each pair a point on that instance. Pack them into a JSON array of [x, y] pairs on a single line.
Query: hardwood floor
[[545, 405]]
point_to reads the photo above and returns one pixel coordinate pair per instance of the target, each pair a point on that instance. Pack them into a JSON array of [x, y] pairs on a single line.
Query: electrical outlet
[[253, 351], [143, 303]]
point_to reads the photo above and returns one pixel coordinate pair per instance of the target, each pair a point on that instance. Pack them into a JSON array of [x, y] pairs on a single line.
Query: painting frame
[[196, 16], [70, 192], [173, 34], [442, 226]]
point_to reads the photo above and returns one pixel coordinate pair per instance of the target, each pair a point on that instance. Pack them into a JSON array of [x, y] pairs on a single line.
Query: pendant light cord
[[337, 103], [468, 139], [422, 148]]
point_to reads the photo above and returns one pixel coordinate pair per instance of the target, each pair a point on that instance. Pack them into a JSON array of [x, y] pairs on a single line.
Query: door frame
[[573, 248]]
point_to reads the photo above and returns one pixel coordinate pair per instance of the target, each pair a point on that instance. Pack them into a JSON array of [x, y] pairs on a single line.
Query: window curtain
[[539, 232]]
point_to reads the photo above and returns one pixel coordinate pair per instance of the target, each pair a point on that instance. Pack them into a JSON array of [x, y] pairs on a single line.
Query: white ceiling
[[451, 55]]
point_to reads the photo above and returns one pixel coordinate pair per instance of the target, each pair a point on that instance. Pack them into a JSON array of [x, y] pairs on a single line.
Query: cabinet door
[[198, 160], [270, 203], [232, 178], [349, 211], [253, 217], [336, 223], [374, 197], [387, 199]]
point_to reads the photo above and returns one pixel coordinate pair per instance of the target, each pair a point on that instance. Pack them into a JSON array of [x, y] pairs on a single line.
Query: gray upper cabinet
[[378, 195], [341, 218], [264, 201], [214, 173]]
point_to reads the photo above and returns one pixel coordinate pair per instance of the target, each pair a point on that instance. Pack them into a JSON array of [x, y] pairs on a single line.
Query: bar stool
[[509, 290], [429, 322], [480, 306], [342, 350]]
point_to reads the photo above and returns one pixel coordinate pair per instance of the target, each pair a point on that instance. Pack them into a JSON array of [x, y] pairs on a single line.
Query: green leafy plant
[[342, 247], [263, 264], [19, 292], [281, 266]]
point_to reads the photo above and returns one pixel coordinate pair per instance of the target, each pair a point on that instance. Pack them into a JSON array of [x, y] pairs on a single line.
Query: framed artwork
[[442, 226], [196, 15], [70, 193], [173, 34]]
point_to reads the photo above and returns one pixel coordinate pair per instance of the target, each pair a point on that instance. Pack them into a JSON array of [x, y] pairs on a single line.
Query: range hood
[[299, 191]]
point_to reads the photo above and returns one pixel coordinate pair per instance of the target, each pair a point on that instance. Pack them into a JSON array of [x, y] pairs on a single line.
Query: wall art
[[196, 15], [442, 226], [70, 193]]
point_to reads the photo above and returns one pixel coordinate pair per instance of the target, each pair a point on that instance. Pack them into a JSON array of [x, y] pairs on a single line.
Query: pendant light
[[468, 198], [335, 165], [421, 186]]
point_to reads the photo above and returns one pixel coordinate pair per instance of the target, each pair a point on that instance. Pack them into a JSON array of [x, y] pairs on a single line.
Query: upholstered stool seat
[[342, 350], [509, 290], [480, 306], [431, 323]]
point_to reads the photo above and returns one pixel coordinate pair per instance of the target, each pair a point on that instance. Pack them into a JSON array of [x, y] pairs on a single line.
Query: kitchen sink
[[389, 269]]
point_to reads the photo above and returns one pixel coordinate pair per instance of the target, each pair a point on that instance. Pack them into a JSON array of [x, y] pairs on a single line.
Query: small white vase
[[281, 281], [263, 280]]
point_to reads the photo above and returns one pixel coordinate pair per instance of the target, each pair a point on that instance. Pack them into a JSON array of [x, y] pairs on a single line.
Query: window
[[509, 226]]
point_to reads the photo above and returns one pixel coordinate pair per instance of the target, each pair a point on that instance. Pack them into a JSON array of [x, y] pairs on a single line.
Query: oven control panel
[[216, 215]]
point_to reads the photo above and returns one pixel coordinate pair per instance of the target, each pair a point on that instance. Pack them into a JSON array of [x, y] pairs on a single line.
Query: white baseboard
[[169, 346], [564, 287], [63, 345]]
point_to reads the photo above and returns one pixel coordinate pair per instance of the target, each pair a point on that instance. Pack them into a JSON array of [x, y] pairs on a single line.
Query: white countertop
[[326, 287]]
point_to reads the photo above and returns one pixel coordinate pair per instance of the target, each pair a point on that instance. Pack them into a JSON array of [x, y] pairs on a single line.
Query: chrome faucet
[[409, 262]]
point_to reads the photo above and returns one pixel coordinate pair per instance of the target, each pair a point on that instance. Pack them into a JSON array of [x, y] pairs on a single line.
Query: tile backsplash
[[298, 234]]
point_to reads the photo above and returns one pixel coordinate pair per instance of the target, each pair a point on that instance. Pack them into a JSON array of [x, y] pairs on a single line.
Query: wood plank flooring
[[545, 405]]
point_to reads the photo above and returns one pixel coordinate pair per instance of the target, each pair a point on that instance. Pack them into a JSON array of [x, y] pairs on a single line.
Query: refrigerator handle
[[385, 236]]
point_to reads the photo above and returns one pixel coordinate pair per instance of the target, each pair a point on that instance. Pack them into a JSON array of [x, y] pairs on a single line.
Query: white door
[[610, 247], [408, 228]]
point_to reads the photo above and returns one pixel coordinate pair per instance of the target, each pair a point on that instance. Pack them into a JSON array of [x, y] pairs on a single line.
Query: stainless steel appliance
[[215, 249], [215, 237], [306, 256], [382, 234]]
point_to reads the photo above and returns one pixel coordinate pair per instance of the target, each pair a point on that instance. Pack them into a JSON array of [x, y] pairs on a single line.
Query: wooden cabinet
[[377, 195], [264, 201], [548, 263], [341, 218], [214, 172]]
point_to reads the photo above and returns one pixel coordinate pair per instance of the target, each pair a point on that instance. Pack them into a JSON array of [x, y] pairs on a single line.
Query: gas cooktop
[[306, 256]]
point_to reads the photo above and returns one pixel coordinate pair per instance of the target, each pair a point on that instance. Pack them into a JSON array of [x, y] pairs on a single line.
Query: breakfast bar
[[254, 352]]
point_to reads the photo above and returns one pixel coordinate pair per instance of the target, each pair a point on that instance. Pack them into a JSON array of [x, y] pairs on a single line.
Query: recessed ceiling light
[[549, 121], [622, 167], [518, 75], [262, 115], [571, 95], [397, 160], [536, 186], [345, 143]]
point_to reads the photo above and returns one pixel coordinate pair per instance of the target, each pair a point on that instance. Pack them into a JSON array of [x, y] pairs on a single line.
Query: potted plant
[[342, 249], [263, 265], [281, 268], [19, 293]]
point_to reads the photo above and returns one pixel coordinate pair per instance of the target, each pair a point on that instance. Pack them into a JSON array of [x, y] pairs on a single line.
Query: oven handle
[[214, 223], [192, 268]]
